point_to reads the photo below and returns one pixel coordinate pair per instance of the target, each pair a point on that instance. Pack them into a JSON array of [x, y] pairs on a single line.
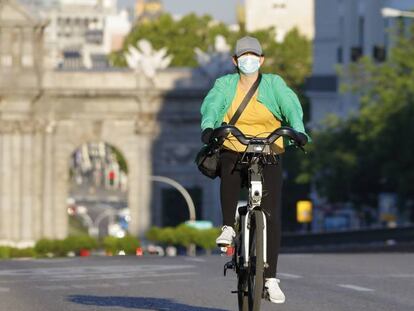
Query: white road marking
[[4, 290], [195, 259], [53, 287], [103, 285], [289, 276], [102, 272], [355, 287], [403, 275]]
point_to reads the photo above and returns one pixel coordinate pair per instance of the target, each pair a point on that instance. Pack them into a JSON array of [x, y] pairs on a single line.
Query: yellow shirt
[[256, 120]]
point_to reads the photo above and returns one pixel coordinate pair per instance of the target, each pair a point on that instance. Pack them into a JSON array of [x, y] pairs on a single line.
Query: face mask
[[248, 64]]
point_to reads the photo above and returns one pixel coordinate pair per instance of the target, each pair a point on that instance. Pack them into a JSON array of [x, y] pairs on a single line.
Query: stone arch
[[71, 134]]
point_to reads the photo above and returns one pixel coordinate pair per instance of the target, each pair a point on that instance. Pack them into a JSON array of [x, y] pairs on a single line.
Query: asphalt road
[[320, 282]]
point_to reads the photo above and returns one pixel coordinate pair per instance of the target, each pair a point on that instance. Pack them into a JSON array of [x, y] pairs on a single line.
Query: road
[[311, 282]]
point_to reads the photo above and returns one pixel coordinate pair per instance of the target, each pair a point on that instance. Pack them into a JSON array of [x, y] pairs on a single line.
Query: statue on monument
[[143, 58]]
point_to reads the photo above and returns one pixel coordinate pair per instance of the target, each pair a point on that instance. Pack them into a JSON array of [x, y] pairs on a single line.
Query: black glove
[[206, 135], [303, 139]]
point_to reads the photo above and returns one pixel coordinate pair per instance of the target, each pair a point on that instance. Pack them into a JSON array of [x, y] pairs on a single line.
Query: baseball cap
[[248, 44]]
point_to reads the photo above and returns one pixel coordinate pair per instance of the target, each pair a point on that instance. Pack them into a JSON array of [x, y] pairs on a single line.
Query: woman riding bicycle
[[274, 104]]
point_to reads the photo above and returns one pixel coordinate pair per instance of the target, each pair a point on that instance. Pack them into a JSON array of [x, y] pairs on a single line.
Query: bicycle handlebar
[[223, 131]]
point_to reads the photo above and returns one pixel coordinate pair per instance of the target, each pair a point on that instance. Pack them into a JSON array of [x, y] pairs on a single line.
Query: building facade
[[284, 15], [47, 114], [80, 33], [345, 31]]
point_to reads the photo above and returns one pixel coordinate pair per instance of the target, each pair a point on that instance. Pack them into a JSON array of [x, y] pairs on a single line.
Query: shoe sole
[[276, 301], [223, 243], [273, 300]]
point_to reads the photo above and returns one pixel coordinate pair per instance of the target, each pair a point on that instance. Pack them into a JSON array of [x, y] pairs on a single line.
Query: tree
[[290, 58], [179, 37], [371, 152]]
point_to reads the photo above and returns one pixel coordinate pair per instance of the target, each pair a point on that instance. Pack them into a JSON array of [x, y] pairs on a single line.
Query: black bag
[[208, 157], [207, 160]]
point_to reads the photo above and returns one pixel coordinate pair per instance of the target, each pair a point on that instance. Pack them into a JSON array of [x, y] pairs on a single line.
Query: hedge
[[184, 235], [60, 248], [114, 245]]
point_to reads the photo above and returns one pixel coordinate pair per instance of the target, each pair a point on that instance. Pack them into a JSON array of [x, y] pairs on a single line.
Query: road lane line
[[4, 290], [289, 276], [402, 275], [195, 259], [355, 287]]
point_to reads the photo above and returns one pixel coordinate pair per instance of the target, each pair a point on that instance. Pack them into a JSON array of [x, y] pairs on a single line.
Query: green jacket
[[273, 92]]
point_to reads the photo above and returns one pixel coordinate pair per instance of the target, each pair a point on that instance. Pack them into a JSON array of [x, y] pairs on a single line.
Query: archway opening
[[98, 191]]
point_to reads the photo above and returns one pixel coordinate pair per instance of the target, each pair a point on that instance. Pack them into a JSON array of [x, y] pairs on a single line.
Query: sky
[[222, 10]]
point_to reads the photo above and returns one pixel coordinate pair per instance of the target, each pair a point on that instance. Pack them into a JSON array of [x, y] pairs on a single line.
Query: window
[[379, 53], [356, 53], [339, 55]]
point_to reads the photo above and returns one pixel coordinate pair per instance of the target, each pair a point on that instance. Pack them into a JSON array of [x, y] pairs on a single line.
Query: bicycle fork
[[246, 240]]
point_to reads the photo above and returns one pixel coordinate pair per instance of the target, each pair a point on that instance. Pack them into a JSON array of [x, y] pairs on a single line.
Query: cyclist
[[274, 104]]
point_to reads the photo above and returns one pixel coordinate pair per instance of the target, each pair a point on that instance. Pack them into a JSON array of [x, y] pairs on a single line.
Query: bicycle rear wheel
[[256, 266]]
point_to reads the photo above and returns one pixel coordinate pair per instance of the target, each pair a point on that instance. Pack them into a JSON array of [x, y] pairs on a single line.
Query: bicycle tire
[[256, 263], [242, 295]]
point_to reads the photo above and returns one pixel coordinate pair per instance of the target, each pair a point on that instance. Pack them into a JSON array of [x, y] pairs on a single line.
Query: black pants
[[231, 180]]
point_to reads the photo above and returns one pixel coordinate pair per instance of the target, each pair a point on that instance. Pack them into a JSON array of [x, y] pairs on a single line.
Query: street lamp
[[390, 12]]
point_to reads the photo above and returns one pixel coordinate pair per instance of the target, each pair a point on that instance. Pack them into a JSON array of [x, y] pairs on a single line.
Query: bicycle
[[249, 259]]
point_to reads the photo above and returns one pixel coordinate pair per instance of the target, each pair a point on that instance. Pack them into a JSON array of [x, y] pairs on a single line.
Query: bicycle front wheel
[[256, 266]]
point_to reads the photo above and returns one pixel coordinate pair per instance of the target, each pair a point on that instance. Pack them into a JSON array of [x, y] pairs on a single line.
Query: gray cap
[[248, 44]]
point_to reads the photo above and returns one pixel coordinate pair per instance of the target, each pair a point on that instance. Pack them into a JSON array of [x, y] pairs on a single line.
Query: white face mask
[[248, 64]]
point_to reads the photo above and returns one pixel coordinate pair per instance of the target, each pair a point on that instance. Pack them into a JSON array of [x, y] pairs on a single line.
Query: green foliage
[[44, 247], [168, 236], [129, 244], [114, 245], [370, 153], [291, 58], [76, 227], [120, 159], [59, 248], [153, 234], [206, 239], [78, 242], [110, 244], [179, 37], [185, 235], [7, 252], [4, 252], [27, 252]]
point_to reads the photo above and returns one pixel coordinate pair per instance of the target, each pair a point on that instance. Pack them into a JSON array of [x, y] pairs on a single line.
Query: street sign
[[304, 211], [199, 224]]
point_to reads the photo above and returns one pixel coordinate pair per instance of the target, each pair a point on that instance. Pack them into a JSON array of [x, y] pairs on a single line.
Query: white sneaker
[[273, 293], [226, 237]]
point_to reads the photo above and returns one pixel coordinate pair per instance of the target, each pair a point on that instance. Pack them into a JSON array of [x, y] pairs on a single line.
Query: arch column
[[140, 184]]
